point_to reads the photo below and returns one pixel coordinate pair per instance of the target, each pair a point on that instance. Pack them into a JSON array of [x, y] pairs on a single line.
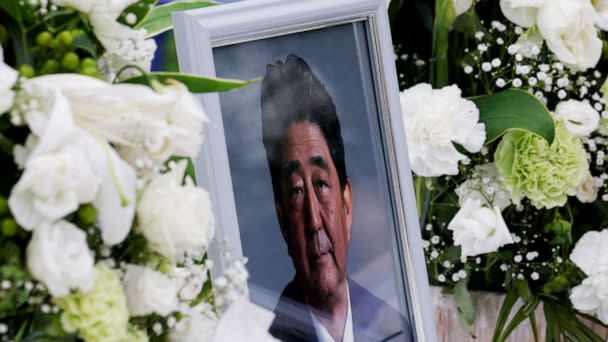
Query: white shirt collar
[[322, 333]]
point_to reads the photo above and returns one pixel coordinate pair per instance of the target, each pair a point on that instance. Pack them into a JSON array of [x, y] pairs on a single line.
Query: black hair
[[291, 93]]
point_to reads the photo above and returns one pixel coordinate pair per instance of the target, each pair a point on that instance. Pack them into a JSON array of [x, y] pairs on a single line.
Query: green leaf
[[196, 84], [393, 9], [514, 109], [190, 172], [517, 319], [469, 23], [561, 231], [83, 42], [140, 9], [12, 8], [159, 19], [534, 328], [562, 321], [445, 14], [505, 310], [464, 305]]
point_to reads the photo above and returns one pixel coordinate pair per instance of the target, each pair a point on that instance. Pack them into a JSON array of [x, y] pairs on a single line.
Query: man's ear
[[347, 203]]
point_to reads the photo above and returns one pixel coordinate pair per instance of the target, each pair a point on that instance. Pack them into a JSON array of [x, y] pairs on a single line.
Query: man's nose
[[313, 214]]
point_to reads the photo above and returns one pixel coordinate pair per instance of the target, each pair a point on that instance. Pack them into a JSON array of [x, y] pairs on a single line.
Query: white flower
[[59, 257], [147, 126], [568, 27], [530, 44], [124, 46], [149, 291], [521, 12], [87, 168], [485, 186], [478, 229], [587, 191], [434, 120], [461, 6], [58, 175], [110, 7], [601, 8], [589, 254], [115, 201], [183, 119], [52, 186], [191, 280], [578, 117], [591, 297], [245, 321], [8, 77], [194, 327], [569, 30], [175, 218]]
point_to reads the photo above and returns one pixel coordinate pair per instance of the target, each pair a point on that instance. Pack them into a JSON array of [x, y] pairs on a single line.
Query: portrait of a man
[[313, 199]]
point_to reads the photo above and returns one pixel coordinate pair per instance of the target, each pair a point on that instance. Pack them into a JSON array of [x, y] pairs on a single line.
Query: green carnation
[[546, 174], [100, 314]]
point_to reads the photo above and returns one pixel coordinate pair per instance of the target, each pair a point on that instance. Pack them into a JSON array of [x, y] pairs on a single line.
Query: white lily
[[148, 126]]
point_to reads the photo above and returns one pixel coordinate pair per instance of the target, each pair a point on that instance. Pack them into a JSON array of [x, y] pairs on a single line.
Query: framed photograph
[[308, 167]]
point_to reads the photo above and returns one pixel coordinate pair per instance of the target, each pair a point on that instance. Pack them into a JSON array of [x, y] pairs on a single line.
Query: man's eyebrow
[[319, 161], [291, 166]]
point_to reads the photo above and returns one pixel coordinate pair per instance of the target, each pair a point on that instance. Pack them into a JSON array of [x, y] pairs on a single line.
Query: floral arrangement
[[507, 130], [103, 232]]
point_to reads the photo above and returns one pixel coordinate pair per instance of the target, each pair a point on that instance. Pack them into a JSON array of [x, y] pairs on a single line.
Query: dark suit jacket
[[373, 319]]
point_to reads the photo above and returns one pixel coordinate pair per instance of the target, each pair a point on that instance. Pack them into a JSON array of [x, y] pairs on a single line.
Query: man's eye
[[296, 190], [321, 184]]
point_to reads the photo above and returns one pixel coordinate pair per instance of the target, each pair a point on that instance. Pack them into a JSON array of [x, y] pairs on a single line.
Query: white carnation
[[148, 291], [435, 120], [578, 117], [175, 218], [591, 297], [478, 229], [59, 257], [589, 254]]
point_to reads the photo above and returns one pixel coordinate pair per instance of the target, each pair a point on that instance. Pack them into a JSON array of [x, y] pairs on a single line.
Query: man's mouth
[[319, 245]]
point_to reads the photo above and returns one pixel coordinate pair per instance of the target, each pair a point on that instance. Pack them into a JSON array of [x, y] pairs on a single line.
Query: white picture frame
[[198, 32]]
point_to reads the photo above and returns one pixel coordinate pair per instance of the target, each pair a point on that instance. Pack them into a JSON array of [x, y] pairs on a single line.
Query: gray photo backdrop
[[339, 57]]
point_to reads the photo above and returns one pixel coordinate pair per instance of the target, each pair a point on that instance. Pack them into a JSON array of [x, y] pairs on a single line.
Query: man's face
[[314, 213]]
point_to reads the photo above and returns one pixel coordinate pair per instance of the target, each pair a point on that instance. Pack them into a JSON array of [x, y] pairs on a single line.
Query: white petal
[[521, 12]]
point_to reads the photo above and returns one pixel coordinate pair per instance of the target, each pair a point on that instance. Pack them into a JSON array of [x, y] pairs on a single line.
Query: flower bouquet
[[103, 233], [507, 142]]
